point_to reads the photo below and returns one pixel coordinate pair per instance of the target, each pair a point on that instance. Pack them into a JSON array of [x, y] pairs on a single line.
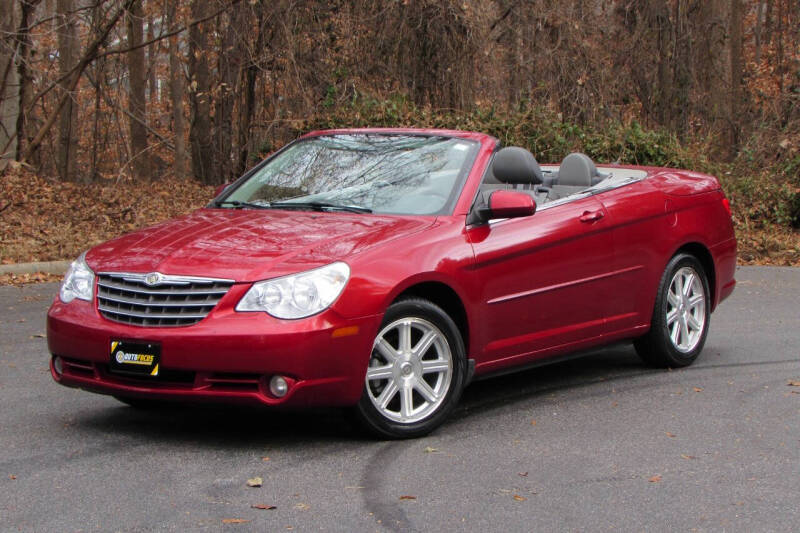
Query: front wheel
[[681, 315], [416, 371]]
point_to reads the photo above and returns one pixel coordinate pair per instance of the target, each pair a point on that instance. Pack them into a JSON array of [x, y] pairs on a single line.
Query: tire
[[416, 372], [681, 315]]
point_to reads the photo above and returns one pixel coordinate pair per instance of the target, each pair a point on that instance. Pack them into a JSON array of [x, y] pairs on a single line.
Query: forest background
[[115, 114]]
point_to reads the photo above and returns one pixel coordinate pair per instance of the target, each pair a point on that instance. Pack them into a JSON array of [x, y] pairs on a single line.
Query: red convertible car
[[383, 269]]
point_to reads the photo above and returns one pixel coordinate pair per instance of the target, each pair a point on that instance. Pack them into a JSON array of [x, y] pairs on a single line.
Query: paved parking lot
[[600, 443]]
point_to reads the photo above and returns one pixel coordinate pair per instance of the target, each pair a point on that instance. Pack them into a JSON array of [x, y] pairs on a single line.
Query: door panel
[[545, 278], [637, 222]]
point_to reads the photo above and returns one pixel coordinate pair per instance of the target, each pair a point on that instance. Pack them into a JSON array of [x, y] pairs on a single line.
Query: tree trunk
[[229, 63], [659, 16], [136, 98], [176, 90], [26, 111], [247, 106], [9, 87], [68, 43], [736, 73], [767, 39], [152, 64], [758, 30], [682, 74], [200, 142]]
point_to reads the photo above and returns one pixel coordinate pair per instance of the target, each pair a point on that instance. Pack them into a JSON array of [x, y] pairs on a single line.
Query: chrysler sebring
[[384, 269]]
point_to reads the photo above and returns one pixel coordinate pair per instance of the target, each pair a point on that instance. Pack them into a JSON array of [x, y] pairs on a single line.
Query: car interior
[[515, 168]]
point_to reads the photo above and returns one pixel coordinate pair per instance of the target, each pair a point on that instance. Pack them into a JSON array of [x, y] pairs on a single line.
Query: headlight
[[298, 295], [78, 281]]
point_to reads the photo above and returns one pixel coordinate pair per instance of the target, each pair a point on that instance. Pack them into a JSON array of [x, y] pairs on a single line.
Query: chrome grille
[[157, 299]]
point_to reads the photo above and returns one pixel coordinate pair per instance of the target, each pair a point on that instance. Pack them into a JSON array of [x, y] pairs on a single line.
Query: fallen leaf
[[519, 498], [794, 383], [655, 479], [302, 506], [407, 497], [12, 476], [698, 389], [263, 506], [428, 449], [688, 456], [533, 422], [234, 521], [670, 435], [522, 474], [265, 459], [255, 482]]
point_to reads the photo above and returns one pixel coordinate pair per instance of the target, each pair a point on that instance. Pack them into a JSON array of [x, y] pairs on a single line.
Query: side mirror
[[220, 189], [508, 204]]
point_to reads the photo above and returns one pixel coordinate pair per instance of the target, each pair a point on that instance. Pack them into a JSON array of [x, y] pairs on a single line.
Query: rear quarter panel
[[652, 220], [697, 200]]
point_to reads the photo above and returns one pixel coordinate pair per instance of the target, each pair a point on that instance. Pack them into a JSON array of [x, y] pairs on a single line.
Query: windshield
[[379, 173]]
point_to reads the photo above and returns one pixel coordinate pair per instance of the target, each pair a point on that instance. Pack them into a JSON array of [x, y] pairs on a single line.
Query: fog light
[[278, 386], [58, 365]]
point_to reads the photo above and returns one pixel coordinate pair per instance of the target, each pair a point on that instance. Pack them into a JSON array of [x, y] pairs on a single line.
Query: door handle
[[591, 216]]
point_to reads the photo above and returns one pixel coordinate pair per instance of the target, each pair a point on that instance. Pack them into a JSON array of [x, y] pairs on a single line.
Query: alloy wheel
[[410, 370], [686, 309]]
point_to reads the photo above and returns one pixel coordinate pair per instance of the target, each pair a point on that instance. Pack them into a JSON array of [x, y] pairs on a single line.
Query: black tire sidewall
[[673, 356], [369, 415]]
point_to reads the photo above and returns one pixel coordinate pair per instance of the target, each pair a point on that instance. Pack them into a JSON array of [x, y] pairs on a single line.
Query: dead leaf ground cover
[[45, 220], [49, 220]]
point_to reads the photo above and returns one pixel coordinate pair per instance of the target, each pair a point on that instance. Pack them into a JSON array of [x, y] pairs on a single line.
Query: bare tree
[[68, 44], [737, 67], [136, 98], [229, 61], [176, 90], [250, 73], [200, 97], [152, 59], [27, 113], [681, 68], [72, 77], [9, 86]]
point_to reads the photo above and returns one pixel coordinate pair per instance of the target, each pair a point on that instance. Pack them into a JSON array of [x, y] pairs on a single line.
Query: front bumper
[[227, 357]]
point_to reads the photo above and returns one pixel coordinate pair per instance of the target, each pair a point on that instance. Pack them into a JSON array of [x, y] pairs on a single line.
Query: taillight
[[727, 205]]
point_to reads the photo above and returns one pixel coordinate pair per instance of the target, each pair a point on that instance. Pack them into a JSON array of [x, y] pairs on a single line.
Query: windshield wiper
[[321, 206], [237, 203]]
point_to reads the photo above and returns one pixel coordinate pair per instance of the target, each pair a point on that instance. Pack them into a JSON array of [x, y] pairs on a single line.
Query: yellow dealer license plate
[[139, 358]]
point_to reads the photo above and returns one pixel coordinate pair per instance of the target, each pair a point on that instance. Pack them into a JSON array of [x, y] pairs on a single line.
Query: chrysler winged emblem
[[153, 278]]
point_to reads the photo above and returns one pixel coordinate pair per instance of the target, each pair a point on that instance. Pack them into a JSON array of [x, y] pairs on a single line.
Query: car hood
[[249, 245]]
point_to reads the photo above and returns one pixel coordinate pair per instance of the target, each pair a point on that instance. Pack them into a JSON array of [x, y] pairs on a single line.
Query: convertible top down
[[383, 269]]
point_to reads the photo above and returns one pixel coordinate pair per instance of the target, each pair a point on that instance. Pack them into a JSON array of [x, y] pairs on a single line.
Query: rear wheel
[[681, 315], [416, 371]]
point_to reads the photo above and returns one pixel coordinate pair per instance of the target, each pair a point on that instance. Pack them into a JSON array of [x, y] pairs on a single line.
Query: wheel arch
[[703, 254], [444, 296]]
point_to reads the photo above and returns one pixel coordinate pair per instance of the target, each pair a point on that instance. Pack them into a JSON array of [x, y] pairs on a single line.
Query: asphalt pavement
[[596, 444]]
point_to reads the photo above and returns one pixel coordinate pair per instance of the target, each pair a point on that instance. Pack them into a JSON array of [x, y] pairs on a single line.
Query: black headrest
[[516, 165]]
